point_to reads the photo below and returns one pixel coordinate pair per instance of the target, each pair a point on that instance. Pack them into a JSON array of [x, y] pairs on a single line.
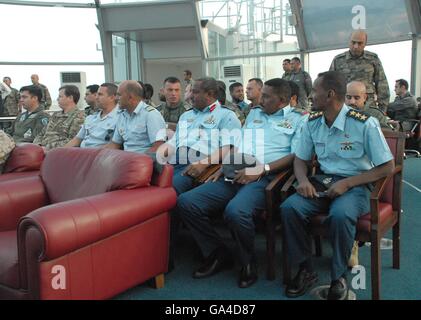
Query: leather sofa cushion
[[25, 157], [72, 173]]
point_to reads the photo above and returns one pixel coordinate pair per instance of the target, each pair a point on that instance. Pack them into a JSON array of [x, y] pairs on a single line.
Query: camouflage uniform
[[286, 76], [240, 114], [61, 128], [172, 114], [6, 146], [375, 112], [89, 110], [28, 126], [11, 102], [303, 80], [46, 97], [368, 69]]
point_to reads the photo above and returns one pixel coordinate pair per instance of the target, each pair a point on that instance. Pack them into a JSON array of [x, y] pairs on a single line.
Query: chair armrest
[[285, 190], [18, 198], [163, 178], [71, 225], [275, 186], [207, 173]]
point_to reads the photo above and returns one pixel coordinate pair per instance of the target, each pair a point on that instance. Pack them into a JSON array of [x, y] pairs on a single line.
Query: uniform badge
[[190, 120], [347, 146], [357, 115], [285, 124], [258, 121], [210, 120]]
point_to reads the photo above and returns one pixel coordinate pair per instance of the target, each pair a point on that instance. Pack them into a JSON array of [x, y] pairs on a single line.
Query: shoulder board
[[341, 55], [369, 53], [150, 108], [300, 111], [315, 115], [357, 115]]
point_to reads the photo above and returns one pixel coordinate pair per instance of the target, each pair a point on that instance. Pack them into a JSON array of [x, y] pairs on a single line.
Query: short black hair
[[258, 81], [234, 85], [296, 59], [281, 88], [34, 91], [172, 80], [93, 88], [71, 90], [8, 78], [295, 89], [188, 72], [403, 83], [148, 91], [111, 88], [287, 60], [336, 81], [208, 85], [221, 93], [142, 85]]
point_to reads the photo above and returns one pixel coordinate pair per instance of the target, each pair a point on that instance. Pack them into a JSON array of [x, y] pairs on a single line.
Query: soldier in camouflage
[[286, 65], [11, 102], [303, 80], [46, 97], [90, 99], [173, 107], [30, 123], [63, 125], [222, 98], [358, 64], [6, 146]]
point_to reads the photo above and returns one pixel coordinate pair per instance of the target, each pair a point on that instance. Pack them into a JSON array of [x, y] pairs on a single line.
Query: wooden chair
[[385, 210]]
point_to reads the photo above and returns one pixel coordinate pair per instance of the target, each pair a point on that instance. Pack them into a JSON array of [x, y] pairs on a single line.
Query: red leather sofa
[[24, 161], [94, 223]]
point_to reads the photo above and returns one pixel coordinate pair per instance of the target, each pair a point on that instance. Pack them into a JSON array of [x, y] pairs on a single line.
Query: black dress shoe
[[302, 282], [248, 275], [214, 263], [338, 290]]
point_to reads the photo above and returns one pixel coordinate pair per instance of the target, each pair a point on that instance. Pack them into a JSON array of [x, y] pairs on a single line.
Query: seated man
[[173, 107], [90, 99], [352, 153], [63, 125], [404, 107], [356, 97], [237, 95], [140, 128], [99, 127], [270, 135], [222, 98], [32, 122], [6, 146]]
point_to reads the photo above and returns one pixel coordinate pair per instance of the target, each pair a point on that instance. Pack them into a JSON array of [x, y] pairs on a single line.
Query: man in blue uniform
[[98, 128], [352, 153], [140, 128], [270, 135]]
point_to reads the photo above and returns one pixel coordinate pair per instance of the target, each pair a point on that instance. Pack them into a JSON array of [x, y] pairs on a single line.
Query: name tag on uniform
[[347, 146], [258, 121], [285, 124]]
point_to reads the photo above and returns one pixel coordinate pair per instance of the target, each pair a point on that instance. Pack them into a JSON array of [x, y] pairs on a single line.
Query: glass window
[[329, 23], [119, 58]]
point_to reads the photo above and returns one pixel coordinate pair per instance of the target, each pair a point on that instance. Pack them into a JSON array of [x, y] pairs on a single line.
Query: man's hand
[[215, 177], [248, 175], [194, 170], [306, 189], [338, 189]]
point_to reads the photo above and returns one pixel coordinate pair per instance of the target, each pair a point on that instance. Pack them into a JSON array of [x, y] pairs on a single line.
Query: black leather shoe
[[214, 263], [302, 282], [248, 275], [338, 290]]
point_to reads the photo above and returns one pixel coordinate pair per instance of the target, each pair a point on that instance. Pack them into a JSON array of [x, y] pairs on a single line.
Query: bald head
[[356, 95], [357, 42], [129, 94]]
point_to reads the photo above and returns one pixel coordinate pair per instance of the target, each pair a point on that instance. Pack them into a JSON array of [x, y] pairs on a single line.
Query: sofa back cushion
[[25, 157], [72, 173]]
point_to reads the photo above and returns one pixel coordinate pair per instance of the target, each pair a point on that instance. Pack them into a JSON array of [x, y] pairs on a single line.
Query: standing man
[[6, 147], [188, 79], [11, 101], [173, 107], [303, 80], [275, 128], [46, 97], [99, 127], [140, 128], [32, 121], [254, 94], [4, 92], [405, 106], [356, 97], [63, 125], [286, 65], [91, 99], [358, 64], [237, 95], [352, 153]]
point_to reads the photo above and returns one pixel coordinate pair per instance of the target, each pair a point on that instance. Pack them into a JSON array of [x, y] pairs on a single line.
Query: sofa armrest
[[25, 157], [18, 198], [71, 225], [163, 178]]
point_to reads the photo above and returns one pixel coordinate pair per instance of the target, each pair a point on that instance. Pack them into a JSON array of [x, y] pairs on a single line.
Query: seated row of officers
[[348, 143]]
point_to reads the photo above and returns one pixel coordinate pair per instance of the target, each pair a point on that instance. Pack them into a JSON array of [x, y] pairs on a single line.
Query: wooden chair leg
[[159, 281], [318, 245], [270, 251], [375, 267], [396, 245]]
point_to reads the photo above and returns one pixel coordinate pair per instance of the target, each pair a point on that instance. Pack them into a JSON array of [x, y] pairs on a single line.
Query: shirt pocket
[[321, 150], [283, 135], [350, 150]]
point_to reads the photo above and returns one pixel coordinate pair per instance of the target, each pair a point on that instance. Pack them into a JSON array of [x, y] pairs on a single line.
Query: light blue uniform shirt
[[97, 131], [270, 137], [206, 130], [139, 130], [349, 147]]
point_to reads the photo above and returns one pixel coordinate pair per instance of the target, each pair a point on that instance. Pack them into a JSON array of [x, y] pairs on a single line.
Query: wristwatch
[[267, 169]]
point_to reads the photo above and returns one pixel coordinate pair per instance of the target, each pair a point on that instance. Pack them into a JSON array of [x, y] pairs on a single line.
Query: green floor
[[396, 284]]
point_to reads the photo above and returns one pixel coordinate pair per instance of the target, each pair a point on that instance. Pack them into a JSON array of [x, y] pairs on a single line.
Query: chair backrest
[[72, 173], [396, 142], [25, 157]]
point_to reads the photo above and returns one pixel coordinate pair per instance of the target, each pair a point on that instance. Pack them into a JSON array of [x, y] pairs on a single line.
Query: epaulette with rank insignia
[[315, 115], [358, 115], [150, 108], [303, 112]]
